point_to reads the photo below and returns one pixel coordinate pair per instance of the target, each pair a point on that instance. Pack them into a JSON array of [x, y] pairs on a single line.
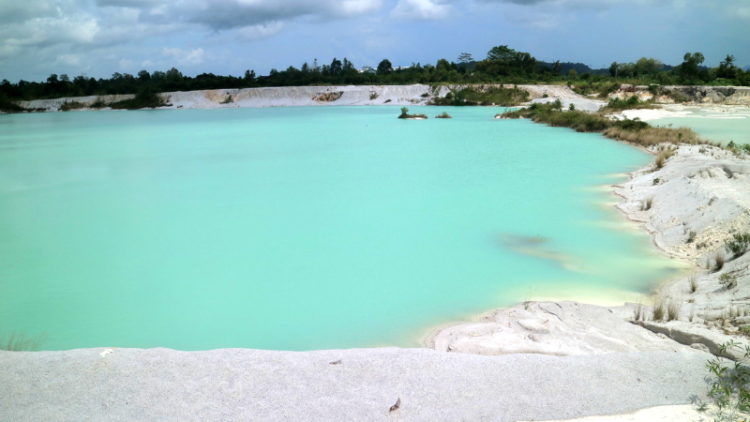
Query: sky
[[227, 37]]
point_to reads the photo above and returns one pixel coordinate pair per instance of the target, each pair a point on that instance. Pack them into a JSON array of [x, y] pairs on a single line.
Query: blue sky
[[100, 37]]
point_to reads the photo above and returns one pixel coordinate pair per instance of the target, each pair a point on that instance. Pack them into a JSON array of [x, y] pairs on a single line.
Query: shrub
[[8, 106], [475, 96], [443, 115], [545, 96], [99, 103], [691, 237], [72, 105], [145, 98], [405, 114], [739, 244], [228, 99], [728, 281], [632, 103], [730, 387]]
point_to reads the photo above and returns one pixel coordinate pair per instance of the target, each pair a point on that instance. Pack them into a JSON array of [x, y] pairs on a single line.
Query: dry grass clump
[[673, 310], [719, 259], [639, 313], [647, 203], [658, 311], [693, 281], [650, 136]]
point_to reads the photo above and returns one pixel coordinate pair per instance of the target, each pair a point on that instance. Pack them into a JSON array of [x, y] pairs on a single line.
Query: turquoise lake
[[302, 228], [717, 124]]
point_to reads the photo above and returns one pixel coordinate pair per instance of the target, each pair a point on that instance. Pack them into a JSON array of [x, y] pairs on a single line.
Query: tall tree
[[335, 67], [689, 67], [465, 58], [385, 67]]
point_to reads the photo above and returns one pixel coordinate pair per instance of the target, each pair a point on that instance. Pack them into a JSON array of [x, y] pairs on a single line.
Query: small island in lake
[[405, 115]]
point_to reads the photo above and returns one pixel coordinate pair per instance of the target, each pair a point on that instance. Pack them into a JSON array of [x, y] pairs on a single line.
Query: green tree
[[173, 75], [689, 68], [144, 76], [501, 53], [613, 69], [726, 68], [385, 67], [648, 66], [465, 58], [556, 68], [335, 68]]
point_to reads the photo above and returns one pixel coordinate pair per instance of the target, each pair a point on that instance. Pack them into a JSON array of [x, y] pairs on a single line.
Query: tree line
[[501, 65]]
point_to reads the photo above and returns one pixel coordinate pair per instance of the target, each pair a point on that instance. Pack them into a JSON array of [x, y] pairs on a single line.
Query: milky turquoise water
[[718, 124], [301, 228]]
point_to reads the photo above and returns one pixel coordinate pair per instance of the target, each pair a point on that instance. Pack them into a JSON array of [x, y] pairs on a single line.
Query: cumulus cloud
[[228, 14], [421, 9]]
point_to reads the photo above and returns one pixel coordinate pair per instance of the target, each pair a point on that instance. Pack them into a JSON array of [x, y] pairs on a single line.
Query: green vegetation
[[405, 114], [727, 280], [8, 106], [483, 95], [502, 65], [729, 390], [738, 149], [443, 115], [72, 105], [145, 98], [633, 131], [739, 244], [691, 237], [617, 105]]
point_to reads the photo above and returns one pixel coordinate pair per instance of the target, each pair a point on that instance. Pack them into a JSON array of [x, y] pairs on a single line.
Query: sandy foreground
[[536, 361]]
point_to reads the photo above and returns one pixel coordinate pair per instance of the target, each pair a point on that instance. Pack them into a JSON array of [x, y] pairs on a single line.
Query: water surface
[[718, 124], [301, 228]]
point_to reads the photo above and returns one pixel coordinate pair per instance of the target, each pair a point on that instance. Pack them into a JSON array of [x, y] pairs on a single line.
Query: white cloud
[[191, 57], [421, 9]]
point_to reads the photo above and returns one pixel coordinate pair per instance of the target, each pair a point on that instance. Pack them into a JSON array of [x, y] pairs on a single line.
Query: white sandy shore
[[297, 96], [559, 360]]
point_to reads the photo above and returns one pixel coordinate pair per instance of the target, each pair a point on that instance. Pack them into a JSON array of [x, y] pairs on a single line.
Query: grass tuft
[[693, 281], [673, 310], [658, 311], [719, 260], [647, 203]]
